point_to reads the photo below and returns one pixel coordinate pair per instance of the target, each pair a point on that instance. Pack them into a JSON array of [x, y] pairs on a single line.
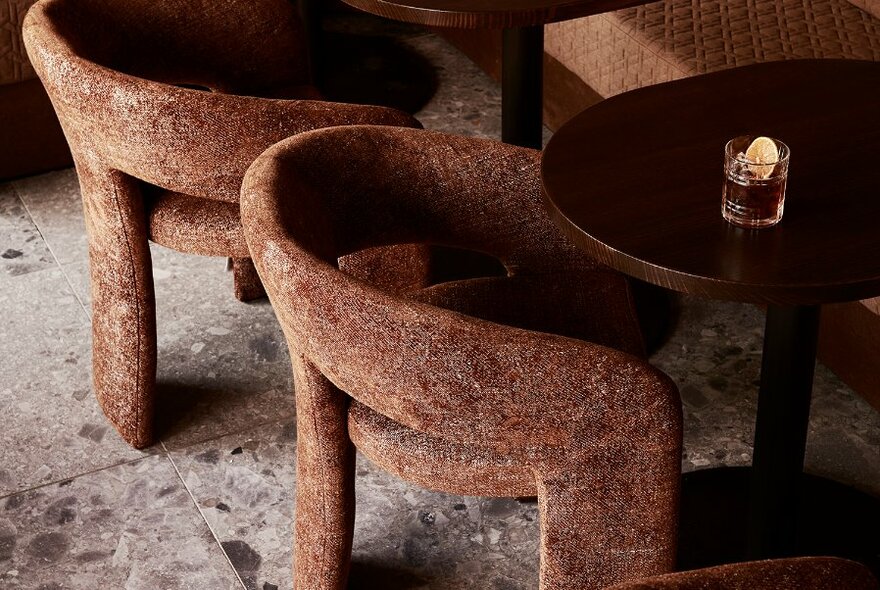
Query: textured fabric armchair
[[462, 386], [801, 573], [160, 157]]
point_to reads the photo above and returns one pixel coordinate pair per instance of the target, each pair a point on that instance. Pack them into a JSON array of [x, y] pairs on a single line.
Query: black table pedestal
[[312, 12], [789, 360], [522, 86]]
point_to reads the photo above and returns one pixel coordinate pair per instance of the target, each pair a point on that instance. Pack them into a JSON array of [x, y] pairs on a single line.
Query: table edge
[[489, 19]]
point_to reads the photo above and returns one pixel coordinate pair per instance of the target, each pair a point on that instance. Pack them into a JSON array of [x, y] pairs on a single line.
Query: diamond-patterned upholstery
[[662, 41], [14, 64]]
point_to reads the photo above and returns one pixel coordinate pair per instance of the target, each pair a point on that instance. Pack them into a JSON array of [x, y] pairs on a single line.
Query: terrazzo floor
[[211, 505]]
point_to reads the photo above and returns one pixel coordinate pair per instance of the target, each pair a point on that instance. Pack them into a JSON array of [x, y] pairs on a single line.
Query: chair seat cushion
[[195, 225], [436, 463], [662, 41]]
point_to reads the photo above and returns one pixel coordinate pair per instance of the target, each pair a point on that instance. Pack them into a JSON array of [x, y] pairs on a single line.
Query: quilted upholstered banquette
[[31, 140], [662, 41]]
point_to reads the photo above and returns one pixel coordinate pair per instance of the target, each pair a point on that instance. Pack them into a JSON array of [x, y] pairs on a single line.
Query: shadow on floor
[[367, 576], [658, 310], [833, 519], [376, 70], [177, 403]]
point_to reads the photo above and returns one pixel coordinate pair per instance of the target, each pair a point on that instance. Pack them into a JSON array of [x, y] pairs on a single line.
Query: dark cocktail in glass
[[755, 175]]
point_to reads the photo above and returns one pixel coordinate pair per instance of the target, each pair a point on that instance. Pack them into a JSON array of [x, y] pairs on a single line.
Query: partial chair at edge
[[158, 159], [798, 573], [495, 386]]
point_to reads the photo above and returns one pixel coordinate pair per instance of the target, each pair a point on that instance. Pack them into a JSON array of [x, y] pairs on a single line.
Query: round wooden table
[[522, 65], [636, 181]]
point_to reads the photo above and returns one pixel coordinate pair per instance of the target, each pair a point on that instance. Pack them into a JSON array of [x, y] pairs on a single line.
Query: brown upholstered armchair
[[462, 386], [161, 158], [800, 573]]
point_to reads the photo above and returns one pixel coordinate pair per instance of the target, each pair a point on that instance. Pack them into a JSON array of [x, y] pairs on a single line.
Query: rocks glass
[[755, 174]]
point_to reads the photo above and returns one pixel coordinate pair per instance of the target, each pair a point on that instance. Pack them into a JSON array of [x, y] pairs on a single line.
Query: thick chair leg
[[123, 304], [325, 458], [588, 541], [247, 282]]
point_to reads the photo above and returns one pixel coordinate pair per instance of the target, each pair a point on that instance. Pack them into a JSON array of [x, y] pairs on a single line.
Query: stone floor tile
[[714, 355], [54, 202], [244, 485], [844, 437], [405, 536], [223, 365], [132, 526], [77, 276], [22, 248], [467, 101], [53, 428]]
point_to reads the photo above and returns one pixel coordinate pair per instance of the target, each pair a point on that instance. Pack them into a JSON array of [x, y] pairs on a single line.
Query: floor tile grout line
[[212, 438], [81, 474], [34, 222], [202, 515], [51, 251], [162, 450], [82, 304]]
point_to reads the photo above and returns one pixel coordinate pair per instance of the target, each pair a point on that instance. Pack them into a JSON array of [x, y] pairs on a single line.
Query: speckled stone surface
[[405, 536], [130, 526], [22, 250], [52, 426], [243, 485], [222, 364], [419, 538], [211, 506], [53, 201]]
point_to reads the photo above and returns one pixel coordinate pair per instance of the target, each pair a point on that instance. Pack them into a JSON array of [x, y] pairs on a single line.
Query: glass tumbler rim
[[784, 150]]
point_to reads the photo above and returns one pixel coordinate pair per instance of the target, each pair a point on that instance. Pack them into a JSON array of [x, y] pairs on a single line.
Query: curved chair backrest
[[236, 47], [368, 186], [432, 369], [115, 70]]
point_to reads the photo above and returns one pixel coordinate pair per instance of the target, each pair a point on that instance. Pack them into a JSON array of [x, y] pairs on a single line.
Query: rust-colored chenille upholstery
[[461, 386], [800, 573], [159, 158]]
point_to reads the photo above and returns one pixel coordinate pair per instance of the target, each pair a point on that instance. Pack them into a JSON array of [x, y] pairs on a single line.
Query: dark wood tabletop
[[487, 14], [636, 181]]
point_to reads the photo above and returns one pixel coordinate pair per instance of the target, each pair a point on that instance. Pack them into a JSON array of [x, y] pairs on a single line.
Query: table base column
[[522, 86], [312, 12], [789, 359]]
